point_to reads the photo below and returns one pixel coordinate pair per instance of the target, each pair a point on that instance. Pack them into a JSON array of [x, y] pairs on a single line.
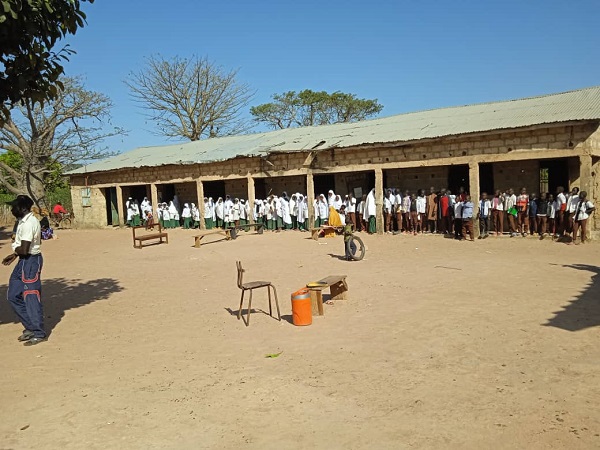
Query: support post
[[120, 205], [474, 193], [379, 199], [585, 174], [154, 197], [200, 194], [310, 194], [251, 198]]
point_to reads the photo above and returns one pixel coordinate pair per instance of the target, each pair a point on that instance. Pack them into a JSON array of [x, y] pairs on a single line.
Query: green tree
[[29, 30], [39, 141], [306, 108], [190, 98]]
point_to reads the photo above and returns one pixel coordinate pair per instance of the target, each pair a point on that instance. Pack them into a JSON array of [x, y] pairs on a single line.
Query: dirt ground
[[441, 344]]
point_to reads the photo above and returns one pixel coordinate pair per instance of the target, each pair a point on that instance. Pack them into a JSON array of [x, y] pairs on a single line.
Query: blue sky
[[410, 55]]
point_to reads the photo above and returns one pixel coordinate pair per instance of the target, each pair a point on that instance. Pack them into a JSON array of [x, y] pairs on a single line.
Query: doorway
[[324, 184], [486, 179], [554, 173], [458, 176], [112, 212]]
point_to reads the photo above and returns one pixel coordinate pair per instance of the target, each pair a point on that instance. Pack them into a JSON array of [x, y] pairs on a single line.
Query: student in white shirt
[[582, 212], [485, 208], [387, 212], [561, 211], [360, 212], [421, 210], [572, 202], [25, 284], [323, 208], [351, 209]]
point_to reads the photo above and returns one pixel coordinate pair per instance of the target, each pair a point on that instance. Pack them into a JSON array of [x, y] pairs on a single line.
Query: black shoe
[[25, 336], [34, 341]]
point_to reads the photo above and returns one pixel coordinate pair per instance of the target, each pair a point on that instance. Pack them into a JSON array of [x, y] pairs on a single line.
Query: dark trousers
[[458, 226], [25, 294], [484, 225], [498, 221]]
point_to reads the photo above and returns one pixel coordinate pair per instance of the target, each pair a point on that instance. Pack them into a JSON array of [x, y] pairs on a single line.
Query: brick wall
[[355, 162]]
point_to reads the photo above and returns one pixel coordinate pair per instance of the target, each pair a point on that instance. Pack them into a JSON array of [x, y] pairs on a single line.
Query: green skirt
[[372, 225]]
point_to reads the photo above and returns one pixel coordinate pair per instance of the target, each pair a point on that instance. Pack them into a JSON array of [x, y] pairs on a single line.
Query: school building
[[539, 143]]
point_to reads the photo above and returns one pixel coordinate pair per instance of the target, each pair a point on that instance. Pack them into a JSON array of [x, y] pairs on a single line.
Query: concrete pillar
[[379, 200], [200, 195], [585, 174], [474, 188], [120, 206], [310, 194], [154, 197], [251, 198]]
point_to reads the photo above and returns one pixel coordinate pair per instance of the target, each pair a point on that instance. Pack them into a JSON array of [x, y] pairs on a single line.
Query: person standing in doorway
[[561, 211], [25, 284], [485, 207], [432, 207]]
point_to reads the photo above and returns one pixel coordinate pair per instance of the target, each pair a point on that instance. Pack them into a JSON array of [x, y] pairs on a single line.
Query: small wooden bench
[[337, 287], [259, 227], [138, 240], [315, 232], [198, 238]]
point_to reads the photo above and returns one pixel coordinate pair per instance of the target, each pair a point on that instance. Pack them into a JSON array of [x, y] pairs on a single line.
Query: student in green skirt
[[186, 215], [220, 212], [371, 212], [208, 213]]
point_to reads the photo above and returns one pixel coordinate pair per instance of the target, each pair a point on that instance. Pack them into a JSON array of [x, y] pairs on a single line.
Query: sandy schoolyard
[[440, 344]]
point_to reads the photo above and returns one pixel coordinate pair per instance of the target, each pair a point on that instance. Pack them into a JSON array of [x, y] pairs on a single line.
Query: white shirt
[[510, 201], [351, 205], [572, 203], [484, 208], [29, 230], [421, 205], [583, 206], [560, 200]]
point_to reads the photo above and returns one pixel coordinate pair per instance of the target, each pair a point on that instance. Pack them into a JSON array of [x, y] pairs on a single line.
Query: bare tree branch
[[190, 98]]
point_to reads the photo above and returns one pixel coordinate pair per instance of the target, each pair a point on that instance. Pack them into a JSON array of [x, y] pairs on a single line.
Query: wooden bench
[[315, 232], [138, 240], [337, 287], [259, 227], [198, 238]]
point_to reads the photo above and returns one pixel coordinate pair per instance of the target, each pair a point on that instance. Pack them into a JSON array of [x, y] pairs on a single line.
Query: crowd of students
[[404, 212]]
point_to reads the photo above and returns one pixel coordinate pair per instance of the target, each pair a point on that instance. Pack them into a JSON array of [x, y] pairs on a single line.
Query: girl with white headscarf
[[286, 217], [174, 214], [186, 215], [195, 216], [300, 216], [168, 223], [220, 212], [243, 212], [235, 212], [208, 213], [370, 212]]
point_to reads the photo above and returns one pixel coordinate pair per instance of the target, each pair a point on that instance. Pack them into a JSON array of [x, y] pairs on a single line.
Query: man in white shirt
[[561, 209], [25, 285], [351, 210]]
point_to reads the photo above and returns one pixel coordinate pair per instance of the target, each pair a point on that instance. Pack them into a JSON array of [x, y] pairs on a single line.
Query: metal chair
[[250, 287]]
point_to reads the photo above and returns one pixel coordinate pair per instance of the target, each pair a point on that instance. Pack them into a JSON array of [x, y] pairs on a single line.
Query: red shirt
[[58, 209], [444, 205]]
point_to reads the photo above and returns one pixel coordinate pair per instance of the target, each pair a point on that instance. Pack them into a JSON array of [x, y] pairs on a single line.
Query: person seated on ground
[[47, 231], [334, 218]]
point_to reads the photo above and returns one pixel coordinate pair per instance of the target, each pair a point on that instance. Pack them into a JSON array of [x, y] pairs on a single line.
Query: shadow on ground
[[583, 311], [60, 295]]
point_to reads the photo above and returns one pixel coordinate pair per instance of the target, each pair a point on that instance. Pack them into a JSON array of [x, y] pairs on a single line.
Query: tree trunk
[[34, 187]]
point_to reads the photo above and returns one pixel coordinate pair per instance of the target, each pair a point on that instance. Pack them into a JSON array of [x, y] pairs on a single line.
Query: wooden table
[[138, 240], [337, 287]]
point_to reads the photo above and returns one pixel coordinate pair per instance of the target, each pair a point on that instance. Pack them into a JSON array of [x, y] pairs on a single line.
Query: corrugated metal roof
[[583, 104]]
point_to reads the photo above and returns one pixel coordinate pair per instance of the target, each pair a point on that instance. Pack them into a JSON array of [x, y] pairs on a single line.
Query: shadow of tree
[[584, 311], [60, 295]]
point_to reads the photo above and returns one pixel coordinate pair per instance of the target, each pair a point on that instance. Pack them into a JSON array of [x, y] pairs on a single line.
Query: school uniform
[[398, 211], [533, 205], [541, 216], [360, 212], [510, 202], [323, 213], [552, 207], [458, 224], [582, 214], [406, 201], [371, 212], [413, 214], [432, 210], [467, 219], [186, 215], [421, 211], [387, 214], [523, 213], [572, 203], [498, 214], [561, 214], [351, 211], [485, 207], [208, 216]]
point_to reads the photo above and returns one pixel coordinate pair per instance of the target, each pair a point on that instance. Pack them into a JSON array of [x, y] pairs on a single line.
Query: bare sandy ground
[[441, 344]]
